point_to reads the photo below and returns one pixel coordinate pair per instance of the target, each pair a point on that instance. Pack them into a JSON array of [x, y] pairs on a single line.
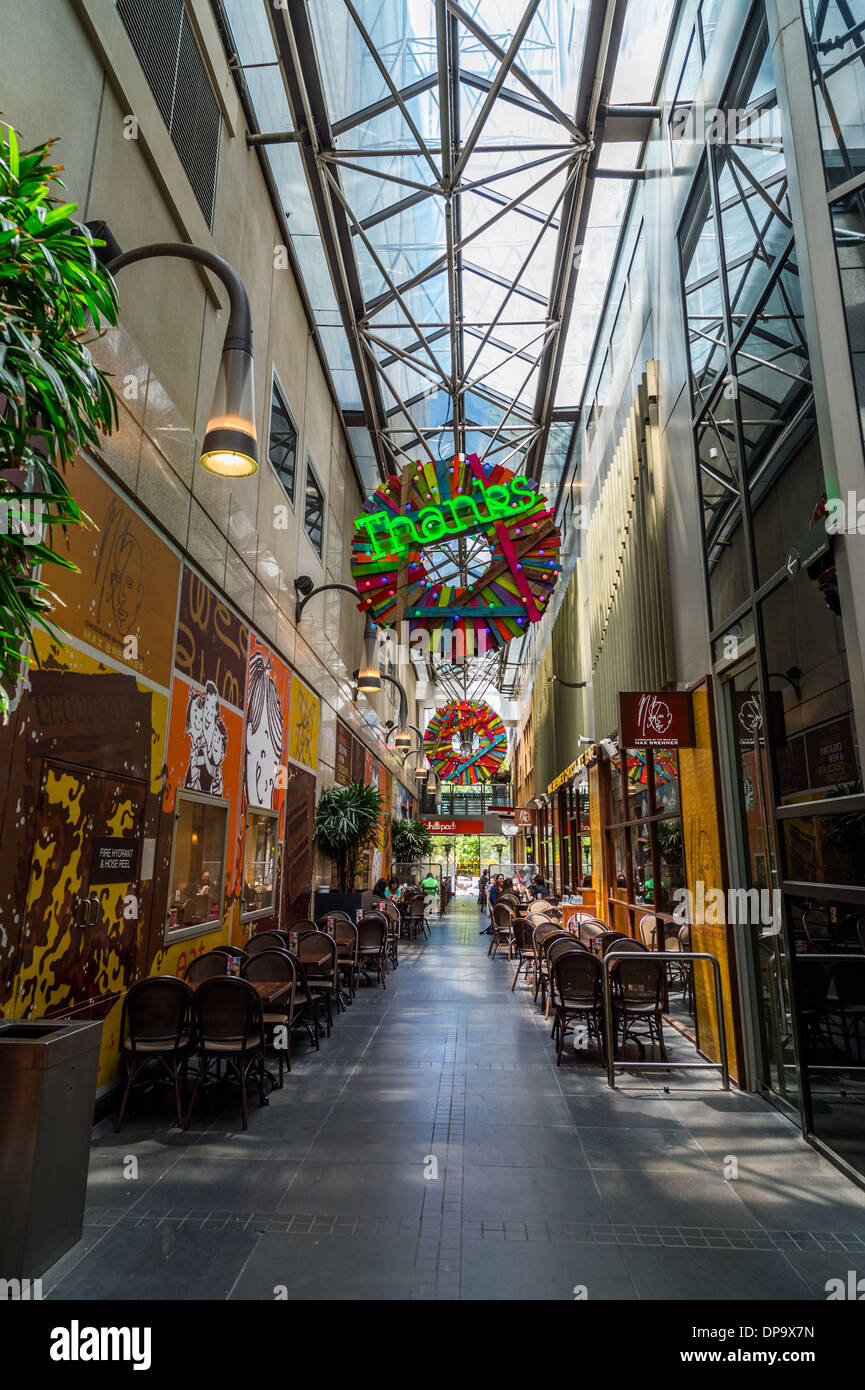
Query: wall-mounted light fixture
[[230, 447]]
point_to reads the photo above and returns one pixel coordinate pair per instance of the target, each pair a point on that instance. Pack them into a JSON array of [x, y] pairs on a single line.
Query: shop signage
[[454, 827], [584, 760], [659, 719], [562, 778], [342, 770], [114, 860], [524, 815], [392, 534]]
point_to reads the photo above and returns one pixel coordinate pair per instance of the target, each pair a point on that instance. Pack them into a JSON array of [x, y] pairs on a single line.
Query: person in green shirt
[[430, 886]]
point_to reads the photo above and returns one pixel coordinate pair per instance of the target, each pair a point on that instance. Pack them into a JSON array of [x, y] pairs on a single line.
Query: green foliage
[[347, 822], [53, 400], [410, 841], [468, 857]]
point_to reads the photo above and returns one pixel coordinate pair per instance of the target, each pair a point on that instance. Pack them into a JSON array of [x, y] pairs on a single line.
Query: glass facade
[[772, 588], [834, 29]]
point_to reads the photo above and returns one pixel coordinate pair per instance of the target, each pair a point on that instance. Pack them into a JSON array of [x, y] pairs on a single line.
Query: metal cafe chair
[[267, 941], [207, 966], [229, 1026], [639, 986], [372, 947], [156, 1037], [276, 966], [575, 990]]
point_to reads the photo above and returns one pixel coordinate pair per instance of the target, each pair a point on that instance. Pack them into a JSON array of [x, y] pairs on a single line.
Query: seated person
[[195, 899]]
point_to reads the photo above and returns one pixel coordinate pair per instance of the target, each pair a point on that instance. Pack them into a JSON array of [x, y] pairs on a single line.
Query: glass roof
[[439, 298], [432, 189]]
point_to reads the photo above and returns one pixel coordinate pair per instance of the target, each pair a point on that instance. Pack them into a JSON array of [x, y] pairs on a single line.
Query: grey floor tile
[[642, 1149], [206, 1182], [159, 1262], [748, 1276], [662, 1198], [531, 1195], [357, 1189], [523, 1146], [327, 1267], [508, 1270]]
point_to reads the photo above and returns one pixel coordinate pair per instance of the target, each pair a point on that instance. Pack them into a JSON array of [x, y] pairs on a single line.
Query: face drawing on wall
[[208, 741], [264, 734], [119, 573]]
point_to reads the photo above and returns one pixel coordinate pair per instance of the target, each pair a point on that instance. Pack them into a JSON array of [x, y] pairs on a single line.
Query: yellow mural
[[303, 730], [704, 863]]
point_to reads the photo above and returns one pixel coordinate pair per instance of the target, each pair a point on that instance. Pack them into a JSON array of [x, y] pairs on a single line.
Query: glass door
[[758, 860]]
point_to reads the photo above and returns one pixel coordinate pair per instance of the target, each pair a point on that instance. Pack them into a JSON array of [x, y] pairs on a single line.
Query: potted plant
[[53, 400], [347, 822], [410, 842]]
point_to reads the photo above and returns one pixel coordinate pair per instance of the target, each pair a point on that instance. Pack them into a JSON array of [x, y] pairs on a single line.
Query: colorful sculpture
[[433, 504], [450, 737]]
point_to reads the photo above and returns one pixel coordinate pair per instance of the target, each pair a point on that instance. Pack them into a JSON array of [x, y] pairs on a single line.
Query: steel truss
[[453, 363]]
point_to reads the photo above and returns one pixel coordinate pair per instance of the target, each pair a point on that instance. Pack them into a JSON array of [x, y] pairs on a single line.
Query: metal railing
[[677, 957]]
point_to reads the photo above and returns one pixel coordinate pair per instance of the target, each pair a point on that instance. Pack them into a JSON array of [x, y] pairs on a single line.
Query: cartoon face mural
[[119, 572], [265, 732], [208, 741]]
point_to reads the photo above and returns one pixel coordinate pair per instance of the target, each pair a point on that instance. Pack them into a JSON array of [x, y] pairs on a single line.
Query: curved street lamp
[[230, 447]]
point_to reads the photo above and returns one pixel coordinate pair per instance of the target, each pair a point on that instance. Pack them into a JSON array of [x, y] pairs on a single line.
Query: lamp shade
[[402, 739], [368, 677], [230, 446]]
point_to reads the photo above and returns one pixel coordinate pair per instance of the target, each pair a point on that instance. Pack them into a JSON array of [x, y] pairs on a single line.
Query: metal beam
[[305, 93], [606, 19]]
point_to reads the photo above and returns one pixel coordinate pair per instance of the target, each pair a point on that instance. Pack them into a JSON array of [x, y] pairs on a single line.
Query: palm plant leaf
[[53, 400]]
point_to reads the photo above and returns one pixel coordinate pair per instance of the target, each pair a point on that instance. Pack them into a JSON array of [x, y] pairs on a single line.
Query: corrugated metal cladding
[[629, 610], [168, 51]]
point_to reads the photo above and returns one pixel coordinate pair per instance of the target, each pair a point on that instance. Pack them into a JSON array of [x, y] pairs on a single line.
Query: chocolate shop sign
[[659, 719]]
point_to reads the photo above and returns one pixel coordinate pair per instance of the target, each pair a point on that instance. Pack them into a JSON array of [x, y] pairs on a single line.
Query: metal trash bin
[[47, 1095]]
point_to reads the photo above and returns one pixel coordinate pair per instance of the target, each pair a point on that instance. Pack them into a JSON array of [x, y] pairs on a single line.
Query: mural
[[84, 753], [303, 733], [267, 711], [124, 600], [212, 642], [157, 690]]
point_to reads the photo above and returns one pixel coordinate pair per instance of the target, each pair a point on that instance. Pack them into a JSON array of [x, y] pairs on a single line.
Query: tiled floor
[[432, 1149]]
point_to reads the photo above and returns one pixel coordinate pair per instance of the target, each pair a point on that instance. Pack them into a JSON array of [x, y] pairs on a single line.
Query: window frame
[[312, 471], [277, 387], [216, 923], [270, 910]]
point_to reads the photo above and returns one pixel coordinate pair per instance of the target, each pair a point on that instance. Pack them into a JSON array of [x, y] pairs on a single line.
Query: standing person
[[430, 886], [482, 889]]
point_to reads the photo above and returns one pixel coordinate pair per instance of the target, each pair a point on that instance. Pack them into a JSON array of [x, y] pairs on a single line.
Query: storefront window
[[198, 862], [646, 851], [811, 728], [829, 981], [259, 862]]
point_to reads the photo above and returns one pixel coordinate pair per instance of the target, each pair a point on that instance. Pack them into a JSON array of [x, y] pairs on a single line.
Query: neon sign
[[433, 504], [459, 516]]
